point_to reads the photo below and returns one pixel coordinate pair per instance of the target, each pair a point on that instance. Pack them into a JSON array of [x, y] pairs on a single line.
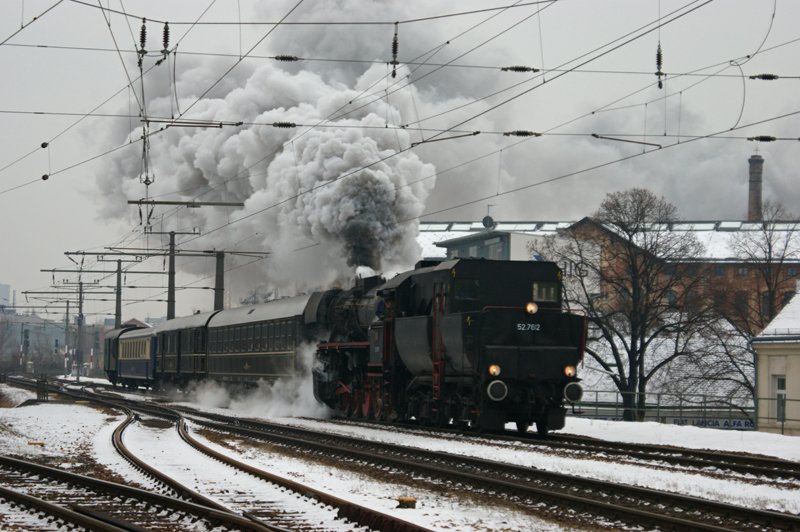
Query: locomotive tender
[[471, 342]]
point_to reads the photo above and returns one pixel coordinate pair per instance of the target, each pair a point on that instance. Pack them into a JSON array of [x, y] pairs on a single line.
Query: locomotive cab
[[487, 343]]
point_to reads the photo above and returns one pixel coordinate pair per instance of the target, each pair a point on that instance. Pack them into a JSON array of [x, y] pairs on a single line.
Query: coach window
[[263, 336]]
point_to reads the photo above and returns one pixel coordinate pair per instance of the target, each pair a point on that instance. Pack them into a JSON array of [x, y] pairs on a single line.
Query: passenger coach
[[136, 364], [250, 343]]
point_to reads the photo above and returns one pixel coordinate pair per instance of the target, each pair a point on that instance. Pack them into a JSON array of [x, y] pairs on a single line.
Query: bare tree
[[726, 365], [637, 285], [772, 252]]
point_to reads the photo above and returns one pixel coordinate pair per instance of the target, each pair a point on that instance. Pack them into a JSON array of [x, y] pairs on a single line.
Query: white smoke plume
[[332, 199], [290, 397], [317, 234]]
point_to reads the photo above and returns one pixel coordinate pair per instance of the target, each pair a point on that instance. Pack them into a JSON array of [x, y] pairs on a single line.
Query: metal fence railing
[[776, 413], [779, 413], [674, 409]]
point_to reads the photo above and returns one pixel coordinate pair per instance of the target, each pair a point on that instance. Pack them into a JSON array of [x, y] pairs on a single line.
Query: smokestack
[[754, 198]]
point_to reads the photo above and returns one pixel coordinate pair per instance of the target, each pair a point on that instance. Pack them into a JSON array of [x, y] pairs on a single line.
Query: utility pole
[[219, 284], [171, 278], [79, 340], [66, 341], [118, 308]]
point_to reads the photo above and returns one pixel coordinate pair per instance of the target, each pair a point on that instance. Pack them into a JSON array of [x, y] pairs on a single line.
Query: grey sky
[[586, 87]]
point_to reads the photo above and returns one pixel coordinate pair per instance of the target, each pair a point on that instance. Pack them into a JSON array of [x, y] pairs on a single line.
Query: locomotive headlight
[[569, 371], [531, 308], [494, 370]]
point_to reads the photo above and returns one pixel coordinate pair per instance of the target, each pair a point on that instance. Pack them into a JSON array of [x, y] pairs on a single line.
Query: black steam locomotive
[[469, 342]]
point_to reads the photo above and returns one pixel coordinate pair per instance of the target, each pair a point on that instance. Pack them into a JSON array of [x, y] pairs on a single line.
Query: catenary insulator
[[659, 63], [285, 125], [395, 46], [166, 38], [45, 177], [659, 57], [763, 138], [143, 37], [287, 58], [767, 77], [519, 68], [45, 144], [521, 133]]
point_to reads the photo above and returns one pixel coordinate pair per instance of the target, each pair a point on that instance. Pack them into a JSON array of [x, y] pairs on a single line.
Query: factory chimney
[[754, 198]]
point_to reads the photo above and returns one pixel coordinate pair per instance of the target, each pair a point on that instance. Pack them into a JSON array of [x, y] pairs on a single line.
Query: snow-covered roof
[[717, 237], [785, 324]]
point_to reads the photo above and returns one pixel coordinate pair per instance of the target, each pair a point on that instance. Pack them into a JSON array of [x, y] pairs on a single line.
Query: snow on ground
[[57, 429], [785, 447]]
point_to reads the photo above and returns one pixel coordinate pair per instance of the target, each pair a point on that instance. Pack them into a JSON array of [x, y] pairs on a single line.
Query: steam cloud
[[292, 397], [322, 201]]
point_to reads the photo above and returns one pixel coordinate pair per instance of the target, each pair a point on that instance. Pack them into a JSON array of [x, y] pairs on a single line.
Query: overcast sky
[[596, 62]]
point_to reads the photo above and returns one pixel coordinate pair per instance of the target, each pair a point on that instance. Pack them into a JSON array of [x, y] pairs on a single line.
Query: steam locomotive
[[468, 342]]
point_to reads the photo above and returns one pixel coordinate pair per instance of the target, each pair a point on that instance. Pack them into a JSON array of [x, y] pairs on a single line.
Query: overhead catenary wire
[[607, 51], [596, 167], [485, 132], [33, 151], [327, 22]]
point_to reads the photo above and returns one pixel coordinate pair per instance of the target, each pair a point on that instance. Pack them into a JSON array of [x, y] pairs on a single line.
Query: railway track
[[767, 467], [717, 462], [748, 464], [106, 505], [325, 507], [524, 486]]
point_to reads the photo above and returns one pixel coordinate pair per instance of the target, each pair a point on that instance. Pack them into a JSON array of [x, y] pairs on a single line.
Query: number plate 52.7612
[[529, 326]]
